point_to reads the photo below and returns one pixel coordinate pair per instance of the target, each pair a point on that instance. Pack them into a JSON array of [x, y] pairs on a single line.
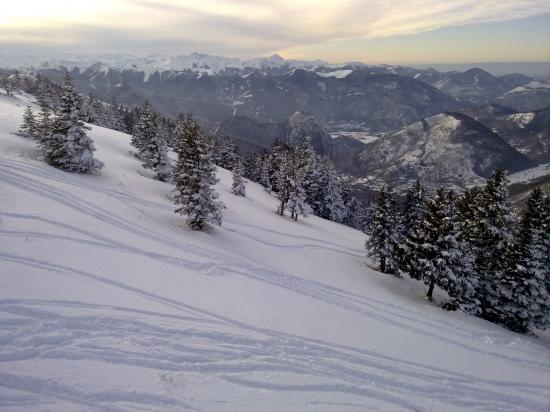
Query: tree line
[[491, 262]]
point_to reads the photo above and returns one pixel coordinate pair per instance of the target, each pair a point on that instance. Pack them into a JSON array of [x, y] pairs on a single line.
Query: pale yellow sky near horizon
[[413, 31]]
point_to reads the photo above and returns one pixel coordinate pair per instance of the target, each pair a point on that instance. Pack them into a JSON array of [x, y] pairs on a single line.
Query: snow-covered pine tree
[[279, 151], [384, 233], [430, 252], [68, 147], [414, 213], [312, 184], [297, 199], [44, 124], [544, 322], [523, 297], [352, 207], [227, 154], [143, 137], [460, 278], [238, 186], [284, 177], [265, 173], [163, 164], [332, 206], [497, 223], [195, 176], [28, 128]]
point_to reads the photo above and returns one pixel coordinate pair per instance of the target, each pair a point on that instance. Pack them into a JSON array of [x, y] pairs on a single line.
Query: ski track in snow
[[325, 293], [196, 341]]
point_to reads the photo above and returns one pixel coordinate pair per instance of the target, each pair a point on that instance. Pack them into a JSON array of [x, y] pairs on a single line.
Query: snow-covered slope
[[109, 302]]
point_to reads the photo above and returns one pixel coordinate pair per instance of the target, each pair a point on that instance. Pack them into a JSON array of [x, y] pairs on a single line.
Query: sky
[[370, 31]]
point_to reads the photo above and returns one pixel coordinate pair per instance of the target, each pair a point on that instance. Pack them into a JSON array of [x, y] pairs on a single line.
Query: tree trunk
[[431, 290]]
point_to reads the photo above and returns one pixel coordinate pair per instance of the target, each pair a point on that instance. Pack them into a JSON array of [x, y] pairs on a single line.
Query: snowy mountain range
[[109, 302], [198, 62], [254, 100]]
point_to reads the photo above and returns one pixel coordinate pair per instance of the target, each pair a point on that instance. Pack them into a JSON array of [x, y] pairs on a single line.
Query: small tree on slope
[[68, 147], [194, 177], [239, 186], [28, 127]]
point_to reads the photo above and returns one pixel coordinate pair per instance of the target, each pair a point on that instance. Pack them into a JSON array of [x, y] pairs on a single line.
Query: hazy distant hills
[[449, 148]]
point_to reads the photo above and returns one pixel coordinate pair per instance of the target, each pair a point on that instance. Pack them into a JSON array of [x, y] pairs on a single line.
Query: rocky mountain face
[[532, 96], [384, 102], [251, 136], [528, 132], [449, 148]]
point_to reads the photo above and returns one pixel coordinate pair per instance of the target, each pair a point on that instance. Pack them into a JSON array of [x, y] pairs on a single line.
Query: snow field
[[109, 302]]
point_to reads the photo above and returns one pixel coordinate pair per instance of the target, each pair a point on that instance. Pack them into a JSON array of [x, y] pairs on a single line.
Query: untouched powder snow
[[109, 302]]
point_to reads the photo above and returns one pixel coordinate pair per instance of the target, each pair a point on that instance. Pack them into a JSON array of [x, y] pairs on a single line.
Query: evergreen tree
[[194, 177], [331, 206], [67, 146], [544, 321], [497, 230], [239, 186], [227, 155], [28, 127], [284, 178], [352, 207], [162, 163], [523, 296], [414, 213], [443, 257], [143, 137], [265, 173], [384, 233], [44, 124], [461, 278], [297, 199]]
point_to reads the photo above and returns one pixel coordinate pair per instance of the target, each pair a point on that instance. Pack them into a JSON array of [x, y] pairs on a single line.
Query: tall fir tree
[[443, 257], [297, 199], [67, 146], [489, 225], [227, 154], [384, 233], [265, 173], [332, 205], [194, 177], [162, 163], [44, 124], [28, 127], [143, 137], [523, 296], [238, 186], [352, 207], [414, 213], [284, 178]]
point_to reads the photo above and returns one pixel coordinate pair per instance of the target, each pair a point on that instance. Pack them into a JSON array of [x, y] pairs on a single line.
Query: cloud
[[240, 27]]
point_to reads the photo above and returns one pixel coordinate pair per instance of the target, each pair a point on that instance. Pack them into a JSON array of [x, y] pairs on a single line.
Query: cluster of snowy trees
[[61, 132], [48, 93], [151, 137], [491, 263], [303, 181]]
